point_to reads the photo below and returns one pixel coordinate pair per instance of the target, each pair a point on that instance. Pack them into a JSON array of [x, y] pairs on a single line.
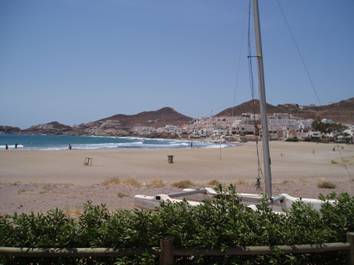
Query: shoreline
[[104, 143]]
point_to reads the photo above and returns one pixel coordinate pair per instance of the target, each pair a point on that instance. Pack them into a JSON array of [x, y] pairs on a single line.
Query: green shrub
[[219, 223]]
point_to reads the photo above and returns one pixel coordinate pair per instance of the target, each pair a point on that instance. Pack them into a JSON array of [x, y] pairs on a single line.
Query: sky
[[76, 61]]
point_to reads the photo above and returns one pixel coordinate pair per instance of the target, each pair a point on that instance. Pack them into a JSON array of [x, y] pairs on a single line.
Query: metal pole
[[262, 102]]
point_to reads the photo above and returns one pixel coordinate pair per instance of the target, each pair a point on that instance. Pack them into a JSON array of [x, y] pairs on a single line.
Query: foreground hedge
[[218, 223]]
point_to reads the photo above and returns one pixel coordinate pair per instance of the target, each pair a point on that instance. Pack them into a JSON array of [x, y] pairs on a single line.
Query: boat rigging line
[[291, 32], [237, 83]]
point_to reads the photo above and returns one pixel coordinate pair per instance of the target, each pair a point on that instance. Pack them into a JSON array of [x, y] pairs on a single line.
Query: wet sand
[[41, 180]]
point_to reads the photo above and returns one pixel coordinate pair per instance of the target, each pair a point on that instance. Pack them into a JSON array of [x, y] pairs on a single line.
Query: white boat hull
[[280, 203]]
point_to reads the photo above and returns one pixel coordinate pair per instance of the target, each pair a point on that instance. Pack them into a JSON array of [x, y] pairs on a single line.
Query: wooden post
[[88, 161], [166, 254], [350, 239]]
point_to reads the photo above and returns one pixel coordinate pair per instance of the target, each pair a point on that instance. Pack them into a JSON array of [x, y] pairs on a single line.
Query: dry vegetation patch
[[21, 191], [121, 195], [73, 212], [284, 182], [214, 183], [131, 181], [47, 188], [183, 184], [241, 182], [156, 183], [111, 181], [325, 184], [122, 181], [347, 161]]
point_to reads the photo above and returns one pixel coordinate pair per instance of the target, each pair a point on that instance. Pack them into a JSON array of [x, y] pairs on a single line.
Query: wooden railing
[[72, 252], [168, 252]]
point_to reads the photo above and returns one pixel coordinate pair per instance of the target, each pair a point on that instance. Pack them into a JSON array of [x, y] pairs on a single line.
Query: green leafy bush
[[219, 223]]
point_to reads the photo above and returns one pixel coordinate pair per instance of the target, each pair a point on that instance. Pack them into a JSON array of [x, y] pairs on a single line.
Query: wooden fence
[[168, 252]]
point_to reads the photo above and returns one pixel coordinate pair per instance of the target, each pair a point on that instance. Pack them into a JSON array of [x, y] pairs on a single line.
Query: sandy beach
[[41, 180]]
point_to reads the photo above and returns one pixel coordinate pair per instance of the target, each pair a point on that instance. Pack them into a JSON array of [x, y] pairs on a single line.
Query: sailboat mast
[[262, 102]]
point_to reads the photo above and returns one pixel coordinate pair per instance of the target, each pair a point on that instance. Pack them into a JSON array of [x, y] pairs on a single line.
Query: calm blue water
[[60, 142]]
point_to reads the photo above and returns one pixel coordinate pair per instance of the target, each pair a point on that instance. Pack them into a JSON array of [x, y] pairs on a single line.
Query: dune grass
[[111, 181], [325, 184], [241, 182], [121, 195], [131, 181], [156, 183], [183, 184], [73, 212], [214, 183], [347, 161]]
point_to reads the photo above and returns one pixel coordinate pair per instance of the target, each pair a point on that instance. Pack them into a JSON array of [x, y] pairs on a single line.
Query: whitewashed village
[[287, 122], [247, 127]]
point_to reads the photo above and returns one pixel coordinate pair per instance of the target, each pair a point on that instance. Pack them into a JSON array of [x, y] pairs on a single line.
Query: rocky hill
[[9, 129], [342, 111], [158, 118], [116, 125], [248, 106], [53, 127], [121, 124]]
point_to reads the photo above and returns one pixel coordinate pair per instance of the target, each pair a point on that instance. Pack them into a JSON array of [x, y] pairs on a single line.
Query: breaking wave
[[56, 142]]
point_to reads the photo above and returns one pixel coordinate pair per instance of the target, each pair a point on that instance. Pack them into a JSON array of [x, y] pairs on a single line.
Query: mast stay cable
[[237, 79], [309, 77]]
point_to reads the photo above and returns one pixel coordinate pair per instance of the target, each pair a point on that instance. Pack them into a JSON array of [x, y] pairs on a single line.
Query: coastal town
[[231, 125], [282, 126], [287, 122]]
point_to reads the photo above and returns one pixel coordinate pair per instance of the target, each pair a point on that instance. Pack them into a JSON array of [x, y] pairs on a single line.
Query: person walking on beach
[[6, 147], [16, 145], [70, 147]]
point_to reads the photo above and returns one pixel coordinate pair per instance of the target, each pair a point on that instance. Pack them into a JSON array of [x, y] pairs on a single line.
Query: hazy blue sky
[[79, 60]]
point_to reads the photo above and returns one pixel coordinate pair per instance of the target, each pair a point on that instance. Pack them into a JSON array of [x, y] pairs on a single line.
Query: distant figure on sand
[[191, 144], [16, 145], [6, 147], [70, 147]]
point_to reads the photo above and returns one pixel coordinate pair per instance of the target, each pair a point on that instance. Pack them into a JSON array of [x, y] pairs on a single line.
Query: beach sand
[[41, 180]]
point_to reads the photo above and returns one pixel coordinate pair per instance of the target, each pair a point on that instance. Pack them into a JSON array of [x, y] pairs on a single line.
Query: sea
[[62, 142]]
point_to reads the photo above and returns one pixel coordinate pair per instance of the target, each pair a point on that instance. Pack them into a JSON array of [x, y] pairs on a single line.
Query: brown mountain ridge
[[342, 111], [155, 119], [121, 124], [118, 125], [158, 118]]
